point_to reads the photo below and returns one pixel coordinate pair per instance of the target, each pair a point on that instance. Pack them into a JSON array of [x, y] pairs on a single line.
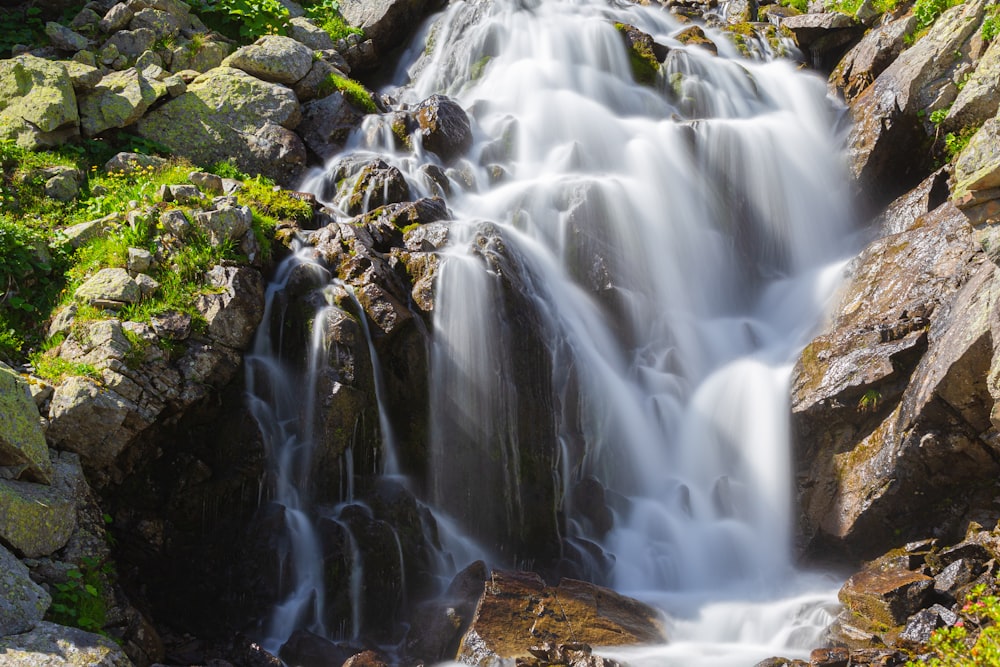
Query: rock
[[442, 127], [109, 285], [517, 610], [162, 24], [387, 23], [873, 413], [23, 603], [129, 44], [175, 222], [129, 163], [306, 32], [65, 39], [120, 99], [367, 659], [206, 182], [205, 126], [37, 102], [84, 77], [276, 152], [22, 443], [233, 313], [273, 58], [310, 650], [644, 54], [920, 626], [171, 325], [871, 56], [377, 184], [978, 165], [316, 83], [139, 260], [902, 214], [199, 56], [886, 596], [51, 645], [223, 224], [147, 284], [888, 132], [117, 18], [184, 194], [327, 123], [976, 102], [35, 520], [80, 233], [695, 36], [64, 185], [88, 419]]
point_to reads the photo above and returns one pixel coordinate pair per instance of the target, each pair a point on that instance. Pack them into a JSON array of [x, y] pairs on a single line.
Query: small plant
[[869, 401], [351, 89], [954, 646], [56, 369], [801, 6], [226, 169], [928, 11], [326, 14], [79, 601], [991, 23], [243, 19]]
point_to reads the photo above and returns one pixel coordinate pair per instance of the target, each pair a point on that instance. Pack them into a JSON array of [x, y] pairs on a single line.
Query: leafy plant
[[54, 369], [928, 11], [326, 14], [246, 19], [870, 401], [991, 23], [79, 601], [954, 646]]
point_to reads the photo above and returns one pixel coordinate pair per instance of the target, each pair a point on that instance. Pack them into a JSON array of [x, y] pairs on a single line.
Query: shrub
[[954, 646]]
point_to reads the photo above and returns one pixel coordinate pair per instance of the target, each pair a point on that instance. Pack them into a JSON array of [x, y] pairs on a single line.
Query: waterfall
[[630, 273]]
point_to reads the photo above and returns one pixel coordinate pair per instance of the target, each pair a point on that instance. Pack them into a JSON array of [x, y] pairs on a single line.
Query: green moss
[[645, 66], [355, 93], [55, 369]]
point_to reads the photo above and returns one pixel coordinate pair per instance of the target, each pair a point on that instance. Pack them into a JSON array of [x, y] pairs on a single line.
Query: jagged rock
[[442, 127], [84, 77], [37, 102], [117, 18], [377, 184], [276, 152], [977, 101], [306, 32], [51, 645], [885, 146], [234, 312], [23, 603], [922, 624], [128, 44], [886, 596], [902, 214], [205, 126], [273, 58], [387, 23], [327, 123], [871, 56], [202, 56], [90, 420], [109, 285], [175, 222], [226, 223], [22, 443], [120, 99], [874, 414], [35, 520], [162, 24], [517, 610], [65, 39], [978, 165]]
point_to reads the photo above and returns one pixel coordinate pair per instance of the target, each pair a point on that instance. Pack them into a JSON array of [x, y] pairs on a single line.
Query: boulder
[[35, 520], [306, 32], [109, 286], [327, 123], [206, 126], [128, 44], [82, 232], [517, 611], [162, 24], [63, 183], [22, 601], [23, 452], [120, 99], [129, 163], [90, 420], [65, 39], [377, 184], [387, 23], [276, 152], [871, 56], [37, 102], [116, 18], [978, 165], [273, 58], [51, 645], [224, 223], [199, 56], [886, 596], [890, 403], [977, 101], [442, 127], [233, 312], [83, 76]]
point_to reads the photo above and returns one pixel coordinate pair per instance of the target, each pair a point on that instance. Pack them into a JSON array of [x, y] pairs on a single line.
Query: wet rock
[[824, 35], [23, 451], [327, 123], [572, 655], [442, 127], [22, 601], [645, 55], [310, 650], [367, 659], [273, 58], [830, 657], [902, 214], [871, 56], [378, 184], [37, 102], [886, 596], [387, 23], [517, 610], [54, 645], [695, 36]]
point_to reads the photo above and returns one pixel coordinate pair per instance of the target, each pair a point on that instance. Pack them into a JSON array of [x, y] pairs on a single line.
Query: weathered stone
[[162, 24], [206, 182], [902, 214], [183, 193], [117, 18], [139, 260], [315, 83], [978, 165], [199, 56], [109, 285], [388, 23], [35, 520], [273, 58], [65, 39], [205, 125], [87, 419], [225, 224], [64, 185], [172, 325], [233, 313], [887, 597], [175, 222], [306, 32], [443, 127], [871, 56], [84, 77], [37, 102], [977, 101], [128, 43], [80, 233], [377, 184], [277, 152], [327, 123], [120, 99], [147, 284], [517, 610], [922, 624], [51, 645], [22, 601], [129, 163], [22, 443], [830, 657]]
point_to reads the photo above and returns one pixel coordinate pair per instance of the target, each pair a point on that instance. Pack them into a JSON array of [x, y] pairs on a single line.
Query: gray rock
[[978, 165], [139, 260], [128, 163], [199, 56], [387, 23], [64, 185], [65, 39], [89, 419], [114, 285], [120, 99], [163, 24], [175, 222], [22, 443], [23, 603], [206, 182], [37, 102], [35, 519], [234, 313], [117, 18], [147, 285], [276, 152], [225, 224], [51, 645], [314, 84], [443, 127], [84, 77], [128, 43], [87, 20], [872, 55], [273, 58], [327, 123], [305, 31], [172, 325], [80, 233]]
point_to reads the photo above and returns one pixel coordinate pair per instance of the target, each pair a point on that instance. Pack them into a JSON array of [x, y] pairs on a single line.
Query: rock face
[[386, 22], [23, 451], [978, 167], [37, 102], [35, 520], [22, 601], [517, 612]]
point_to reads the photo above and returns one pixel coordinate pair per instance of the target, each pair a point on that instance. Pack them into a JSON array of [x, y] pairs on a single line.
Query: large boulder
[[327, 123], [891, 408], [234, 309], [37, 102], [872, 55], [22, 601], [109, 287], [35, 519], [518, 611], [23, 452], [388, 23], [51, 645], [978, 165], [207, 125], [120, 99], [825, 36], [441, 126], [273, 58], [886, 146], [200, 56], [92, 420]]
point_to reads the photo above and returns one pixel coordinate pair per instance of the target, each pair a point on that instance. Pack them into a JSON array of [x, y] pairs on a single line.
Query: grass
[[356, 93]]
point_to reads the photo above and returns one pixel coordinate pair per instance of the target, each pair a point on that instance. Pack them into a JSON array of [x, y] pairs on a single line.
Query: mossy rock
[[644, 54], [22, 443], [37, 102]]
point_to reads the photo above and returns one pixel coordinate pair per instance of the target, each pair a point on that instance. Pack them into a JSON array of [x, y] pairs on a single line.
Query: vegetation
[[351, 89], [326, 14], [247, 20], [991, 23], [79, 601], [973, 640], [851, 7], [953, 142]]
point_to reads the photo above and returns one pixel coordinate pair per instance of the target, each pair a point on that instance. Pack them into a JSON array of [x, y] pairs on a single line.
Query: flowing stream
[[630, 273]]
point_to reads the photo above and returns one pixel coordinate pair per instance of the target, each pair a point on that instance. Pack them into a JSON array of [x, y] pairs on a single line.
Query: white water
[[712, 220]]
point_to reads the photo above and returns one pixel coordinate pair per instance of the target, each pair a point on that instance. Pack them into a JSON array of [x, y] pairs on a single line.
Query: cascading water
[[631, 270]]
